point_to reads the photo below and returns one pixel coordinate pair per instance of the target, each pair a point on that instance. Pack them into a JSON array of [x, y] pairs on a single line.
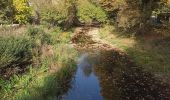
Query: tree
[[56, 12], [130, 14], [6, 11]]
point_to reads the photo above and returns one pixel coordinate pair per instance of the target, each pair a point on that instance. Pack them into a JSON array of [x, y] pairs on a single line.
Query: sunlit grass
[[109, 33], [152, 54]]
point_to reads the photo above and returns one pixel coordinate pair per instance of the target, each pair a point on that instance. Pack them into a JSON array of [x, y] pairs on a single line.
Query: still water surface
[[111, 77], [85, 84]]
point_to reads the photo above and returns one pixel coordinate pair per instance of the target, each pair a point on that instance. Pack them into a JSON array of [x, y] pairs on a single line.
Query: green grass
[[14, 51], [51, 71], [38, 84], [150, 52], [153, 55]]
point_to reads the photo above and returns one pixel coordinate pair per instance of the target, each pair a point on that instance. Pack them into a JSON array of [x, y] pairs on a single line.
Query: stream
[[106, 73], [85, 84], [108, 76]]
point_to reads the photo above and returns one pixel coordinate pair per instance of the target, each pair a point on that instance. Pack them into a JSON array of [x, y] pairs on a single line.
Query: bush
[[51, 14], [38, 36], [88, 12], [14, 51], [22, 11]]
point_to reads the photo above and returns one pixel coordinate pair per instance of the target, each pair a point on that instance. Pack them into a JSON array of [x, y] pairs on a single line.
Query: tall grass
[[14, 51], [51, 77], [38, 84]]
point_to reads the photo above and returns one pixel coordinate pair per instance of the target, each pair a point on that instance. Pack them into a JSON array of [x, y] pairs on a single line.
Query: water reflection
[[85, 85], [85, 65], [121, 79], [112, 76]]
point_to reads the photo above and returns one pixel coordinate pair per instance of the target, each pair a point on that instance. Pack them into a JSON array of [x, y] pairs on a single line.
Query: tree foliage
[[88, 12], [131, 14], [22, 11], [127, 14], [53, 12], [111, 5]]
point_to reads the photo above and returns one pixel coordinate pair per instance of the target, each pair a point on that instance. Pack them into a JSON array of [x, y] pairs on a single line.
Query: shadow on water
[[121, 79], [111, 76]]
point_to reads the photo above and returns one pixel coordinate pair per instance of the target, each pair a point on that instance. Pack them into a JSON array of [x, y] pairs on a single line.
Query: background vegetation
[[35, 35], [89, 12]]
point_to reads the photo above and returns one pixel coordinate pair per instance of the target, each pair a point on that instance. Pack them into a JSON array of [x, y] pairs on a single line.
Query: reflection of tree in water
[[121, 79], [85, 64], [87, 70], [109, 90]]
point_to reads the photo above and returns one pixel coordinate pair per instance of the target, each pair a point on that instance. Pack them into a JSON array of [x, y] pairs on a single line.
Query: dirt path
[[89, 38]]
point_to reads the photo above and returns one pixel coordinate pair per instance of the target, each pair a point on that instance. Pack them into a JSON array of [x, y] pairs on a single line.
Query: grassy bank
[[50, 68], [150, 50]]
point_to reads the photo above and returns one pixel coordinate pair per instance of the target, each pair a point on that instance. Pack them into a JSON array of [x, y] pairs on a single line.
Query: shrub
[[88, 12], [50, 16], [38, 36], [14, 51], [22, 11], [51, 13]]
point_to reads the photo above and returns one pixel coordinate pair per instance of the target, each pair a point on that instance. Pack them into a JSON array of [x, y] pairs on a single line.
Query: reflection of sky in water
[[85, 84], [113, 77]]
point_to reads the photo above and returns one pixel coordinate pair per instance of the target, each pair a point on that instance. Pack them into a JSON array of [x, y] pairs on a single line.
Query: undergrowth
[[52, 66]]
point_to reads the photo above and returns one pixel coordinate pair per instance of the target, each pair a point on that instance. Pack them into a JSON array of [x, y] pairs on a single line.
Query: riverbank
[[118, 75], [51, 66], [150, 51], [54, 62]]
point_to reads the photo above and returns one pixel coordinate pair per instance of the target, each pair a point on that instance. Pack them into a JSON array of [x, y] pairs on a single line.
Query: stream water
[[85, 84], [107, 76]]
